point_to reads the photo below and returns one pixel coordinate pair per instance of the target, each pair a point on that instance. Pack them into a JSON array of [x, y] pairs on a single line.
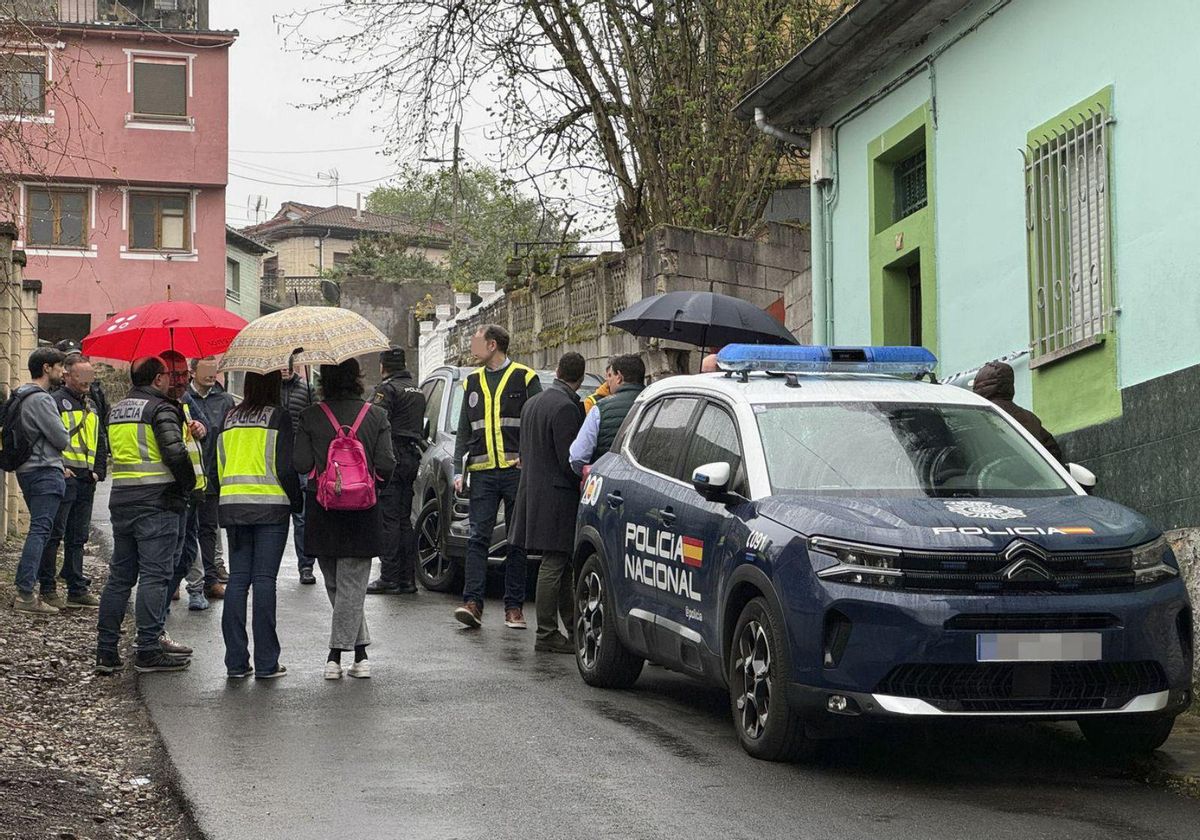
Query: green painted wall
[[894, 246], [1027, 63]]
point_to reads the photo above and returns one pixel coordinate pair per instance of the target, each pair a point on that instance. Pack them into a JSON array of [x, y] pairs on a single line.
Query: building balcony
[[176, 15], [282, 292]]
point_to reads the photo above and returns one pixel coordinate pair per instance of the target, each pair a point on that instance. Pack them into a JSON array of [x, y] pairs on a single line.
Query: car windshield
[[865, 449], [590, 384]]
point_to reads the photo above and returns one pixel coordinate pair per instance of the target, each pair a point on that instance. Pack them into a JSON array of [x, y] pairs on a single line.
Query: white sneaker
[[361, 670], [333, 670]]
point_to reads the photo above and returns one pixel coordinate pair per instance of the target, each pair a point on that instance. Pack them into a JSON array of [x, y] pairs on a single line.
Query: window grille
[[912, 193], [1067, 227]]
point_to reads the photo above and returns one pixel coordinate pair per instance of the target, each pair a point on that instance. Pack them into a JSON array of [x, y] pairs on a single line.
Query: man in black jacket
[[295, 396], [152, 479], [400, 397]]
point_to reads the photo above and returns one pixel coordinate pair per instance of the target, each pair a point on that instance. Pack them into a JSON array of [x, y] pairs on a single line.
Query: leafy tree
[[481, 222], [639, 92]]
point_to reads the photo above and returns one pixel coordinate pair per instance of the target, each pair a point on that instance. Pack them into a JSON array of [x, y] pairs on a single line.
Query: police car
[[835, 540]]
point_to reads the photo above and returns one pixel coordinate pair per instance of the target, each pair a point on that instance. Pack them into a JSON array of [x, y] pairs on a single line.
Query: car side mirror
[[712, 480], [1084, 477]]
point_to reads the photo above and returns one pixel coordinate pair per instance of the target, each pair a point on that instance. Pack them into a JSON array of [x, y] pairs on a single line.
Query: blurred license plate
[[1037, 647]]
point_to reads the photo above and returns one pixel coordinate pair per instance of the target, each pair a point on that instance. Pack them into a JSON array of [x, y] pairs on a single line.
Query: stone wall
[[18, 338], [550, 315], [389, 306]]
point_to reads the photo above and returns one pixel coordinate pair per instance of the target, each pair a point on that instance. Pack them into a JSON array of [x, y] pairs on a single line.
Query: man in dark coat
[[548, 497], [994, 382]]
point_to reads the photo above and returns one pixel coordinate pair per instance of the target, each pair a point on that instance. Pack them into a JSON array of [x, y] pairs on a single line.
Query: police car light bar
[[799, 358]]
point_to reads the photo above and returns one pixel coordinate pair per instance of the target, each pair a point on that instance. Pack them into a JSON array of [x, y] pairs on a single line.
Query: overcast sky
[[272, 140], [277, 148]]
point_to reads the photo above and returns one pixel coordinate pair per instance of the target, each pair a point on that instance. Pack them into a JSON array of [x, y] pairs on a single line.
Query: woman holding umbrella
[[259, 492], [343, 540]]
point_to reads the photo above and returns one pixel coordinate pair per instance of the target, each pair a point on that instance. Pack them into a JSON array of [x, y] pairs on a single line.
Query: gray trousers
[[554, 595], [346, 581]]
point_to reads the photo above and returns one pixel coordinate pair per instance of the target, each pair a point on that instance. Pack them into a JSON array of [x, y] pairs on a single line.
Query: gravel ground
[[79, 757]]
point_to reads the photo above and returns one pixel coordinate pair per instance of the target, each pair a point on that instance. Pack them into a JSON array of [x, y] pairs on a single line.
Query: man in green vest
[[489, 442], [626, 377], [85, 460], [152, 477]]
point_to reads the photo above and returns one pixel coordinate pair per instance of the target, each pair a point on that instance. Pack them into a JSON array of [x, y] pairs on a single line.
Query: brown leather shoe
[[470, 614], [515, 619], [175, 594], [215, 592], [172, 647]]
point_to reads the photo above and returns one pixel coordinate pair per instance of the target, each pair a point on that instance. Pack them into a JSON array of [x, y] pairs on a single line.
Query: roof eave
[[864, 40]]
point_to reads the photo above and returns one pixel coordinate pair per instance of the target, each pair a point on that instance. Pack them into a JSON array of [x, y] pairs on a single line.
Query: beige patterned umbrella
[[317, 335]]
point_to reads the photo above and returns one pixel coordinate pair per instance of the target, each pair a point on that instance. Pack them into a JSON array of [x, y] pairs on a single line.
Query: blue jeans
[[72, 529], [144, 541], [488, 489], [43, 489], [187, 548], [303, 561], [255, 552]]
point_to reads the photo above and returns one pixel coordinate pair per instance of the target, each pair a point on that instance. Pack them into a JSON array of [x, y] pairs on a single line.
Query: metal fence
[[1067, 226]]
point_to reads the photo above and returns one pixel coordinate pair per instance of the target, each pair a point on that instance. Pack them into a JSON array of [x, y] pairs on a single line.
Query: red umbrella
[[193, 329]]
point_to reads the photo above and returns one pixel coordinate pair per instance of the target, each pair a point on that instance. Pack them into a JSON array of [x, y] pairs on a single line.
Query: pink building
[[114, 129]]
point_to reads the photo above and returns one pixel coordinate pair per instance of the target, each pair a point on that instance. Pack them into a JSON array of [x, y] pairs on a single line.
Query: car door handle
[[615, 500], [667, 517]]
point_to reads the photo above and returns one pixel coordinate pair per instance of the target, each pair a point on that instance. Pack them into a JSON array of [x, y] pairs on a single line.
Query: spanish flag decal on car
[[693, 552], [1078, 531]]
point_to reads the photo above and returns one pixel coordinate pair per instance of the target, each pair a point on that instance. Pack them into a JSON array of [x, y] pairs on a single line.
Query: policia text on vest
[[142, 474]]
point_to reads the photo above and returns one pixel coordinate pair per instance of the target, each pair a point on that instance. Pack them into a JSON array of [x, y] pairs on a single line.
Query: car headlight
[[1153, 562], [857, 563]]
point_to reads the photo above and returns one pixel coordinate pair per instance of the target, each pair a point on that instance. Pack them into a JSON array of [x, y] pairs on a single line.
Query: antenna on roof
[[331, 175]]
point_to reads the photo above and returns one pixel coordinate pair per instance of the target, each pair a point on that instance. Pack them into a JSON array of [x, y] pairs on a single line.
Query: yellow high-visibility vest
[[137, 461], [195, 453], [496, 418], [83, 428], [246, 459]]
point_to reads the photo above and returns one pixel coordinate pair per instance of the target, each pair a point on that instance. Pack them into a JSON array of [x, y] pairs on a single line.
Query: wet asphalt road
[[470, 734]]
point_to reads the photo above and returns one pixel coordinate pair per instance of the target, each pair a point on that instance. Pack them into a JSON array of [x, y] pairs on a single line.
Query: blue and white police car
[[833, 538]]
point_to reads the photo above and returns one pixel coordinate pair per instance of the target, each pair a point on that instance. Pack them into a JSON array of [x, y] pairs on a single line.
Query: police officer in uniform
[[86, 456], [489, 440], [404, 403], [152, 477]]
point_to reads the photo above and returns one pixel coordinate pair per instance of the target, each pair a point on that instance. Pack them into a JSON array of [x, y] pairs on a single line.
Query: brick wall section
[[552, 315]]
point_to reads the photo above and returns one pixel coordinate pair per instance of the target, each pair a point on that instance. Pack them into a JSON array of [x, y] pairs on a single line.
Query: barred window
[[912, 191], [1067, 229]]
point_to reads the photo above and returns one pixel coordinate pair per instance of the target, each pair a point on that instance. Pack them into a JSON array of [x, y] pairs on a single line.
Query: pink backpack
[[346, 483]]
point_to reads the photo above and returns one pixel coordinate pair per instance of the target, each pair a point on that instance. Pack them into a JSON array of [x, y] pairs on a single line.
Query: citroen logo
[[1026, 565], [1025, 569]]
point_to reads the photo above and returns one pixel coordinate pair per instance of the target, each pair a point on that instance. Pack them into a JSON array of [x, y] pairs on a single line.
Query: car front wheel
[[759, 673], [435, 571], [1133, 736], [602, 660]]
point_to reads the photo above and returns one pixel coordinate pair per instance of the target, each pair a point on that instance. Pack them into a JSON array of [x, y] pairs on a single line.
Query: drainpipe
[[800, 141]]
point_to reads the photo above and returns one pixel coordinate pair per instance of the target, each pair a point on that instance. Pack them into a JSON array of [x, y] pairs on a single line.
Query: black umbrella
[[705, 319]]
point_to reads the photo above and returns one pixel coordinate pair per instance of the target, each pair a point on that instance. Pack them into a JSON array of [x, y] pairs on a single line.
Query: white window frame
[[126, 253], [90, 252], [134, 121], [233, 295], [46, 52]]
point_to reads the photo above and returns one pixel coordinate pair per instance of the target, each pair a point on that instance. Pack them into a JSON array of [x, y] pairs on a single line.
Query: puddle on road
[[664, 738]]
